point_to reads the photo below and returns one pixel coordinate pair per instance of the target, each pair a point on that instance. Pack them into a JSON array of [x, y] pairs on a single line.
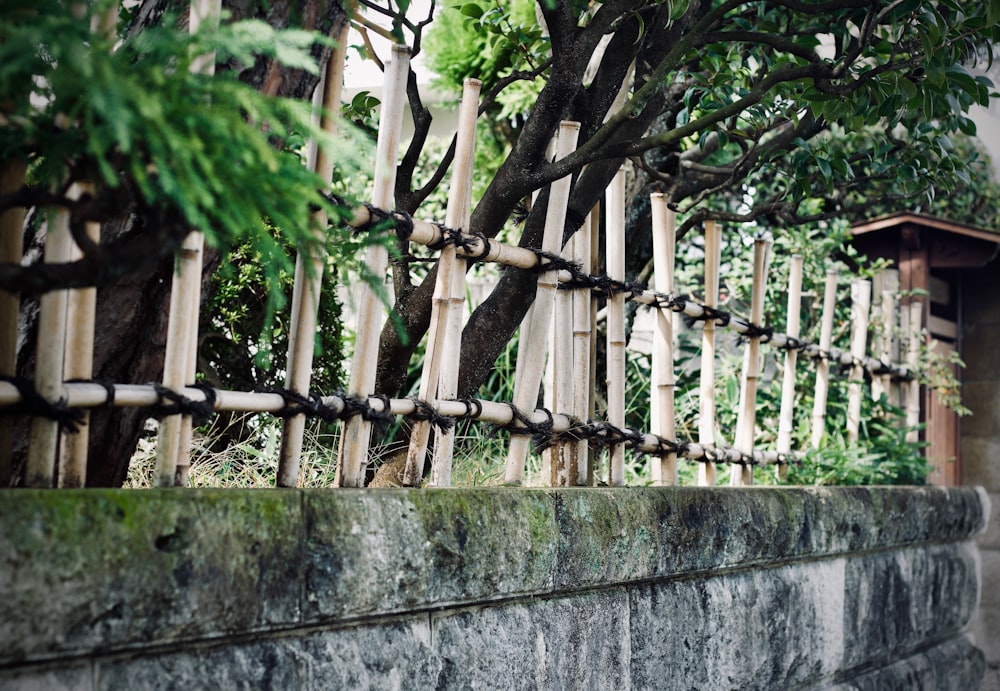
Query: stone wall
[[980, 441], [754, 588]]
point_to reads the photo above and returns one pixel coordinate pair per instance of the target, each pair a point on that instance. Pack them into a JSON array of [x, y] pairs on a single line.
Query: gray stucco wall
[[981, 442], [754, 588]]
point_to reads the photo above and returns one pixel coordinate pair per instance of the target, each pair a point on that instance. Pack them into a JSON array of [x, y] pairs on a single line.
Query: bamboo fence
[[560, 326]]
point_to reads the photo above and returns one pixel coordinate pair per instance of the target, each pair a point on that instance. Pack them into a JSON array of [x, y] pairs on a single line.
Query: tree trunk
[[131, 323]]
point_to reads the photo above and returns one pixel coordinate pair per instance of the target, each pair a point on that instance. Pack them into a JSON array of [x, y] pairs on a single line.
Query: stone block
[[609, 536], [578, 642], [390, 550], [603, 539], [391, 656], [266, 665], [954, 665], [395, 656], [74, 676], [92, 570], [776, 628], [806, 622], [896, 600]]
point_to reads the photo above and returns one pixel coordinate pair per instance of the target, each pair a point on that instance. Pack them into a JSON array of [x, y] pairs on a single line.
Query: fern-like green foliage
[[130, 114]]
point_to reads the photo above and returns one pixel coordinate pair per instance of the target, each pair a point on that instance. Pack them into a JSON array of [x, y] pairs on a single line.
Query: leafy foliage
[[190, 150]]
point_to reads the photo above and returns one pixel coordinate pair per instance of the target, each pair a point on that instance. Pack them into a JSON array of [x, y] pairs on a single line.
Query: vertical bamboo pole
[[181, 320], [357, 432], [888, 328], [884, 309], [588, 472], [12, 173], [895, 334], [823, 364], [444, 442], [706, 419], [746, 417], [877, 322], [309, 276], [915, 323], [530, 366], [174, 438], [204, 12], [183, 468], [442, 334], [792, 328], [79, 363], [81, 318], [615, 258], [552, 453], [663, 414], [563, 471], [861, 293], [549, 469], [582, 337], [44, 436]]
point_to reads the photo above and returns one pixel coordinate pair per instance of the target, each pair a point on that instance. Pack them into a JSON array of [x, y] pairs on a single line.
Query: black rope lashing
[[578, 430], [666, 447], [602, 285], [541, 432], [424, 411], [299, 404], [814, 352], [720, 317], [619, 435], [376, 217], [763, 333], [668, 301], [473, 407], [35, 405], [403, 223], [355, 406], [792, 343], [337, 200], [482, 254], [607, 434], [882, 368], [788, 459], [709, 455], [450, 236], [549, 261], [200, 411], [400, 221]]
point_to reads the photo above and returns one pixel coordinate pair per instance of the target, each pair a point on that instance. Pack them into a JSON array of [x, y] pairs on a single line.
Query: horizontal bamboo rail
[[480, 248], [92, 395]]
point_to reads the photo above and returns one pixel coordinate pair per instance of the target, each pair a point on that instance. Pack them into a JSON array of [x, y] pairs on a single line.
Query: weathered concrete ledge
[[597, 588]]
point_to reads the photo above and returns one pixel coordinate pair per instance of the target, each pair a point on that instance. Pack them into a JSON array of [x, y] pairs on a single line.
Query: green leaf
[[472, 10], [993, 12]]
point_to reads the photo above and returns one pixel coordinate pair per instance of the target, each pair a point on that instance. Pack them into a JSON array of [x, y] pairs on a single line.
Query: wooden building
[[949, 268]]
